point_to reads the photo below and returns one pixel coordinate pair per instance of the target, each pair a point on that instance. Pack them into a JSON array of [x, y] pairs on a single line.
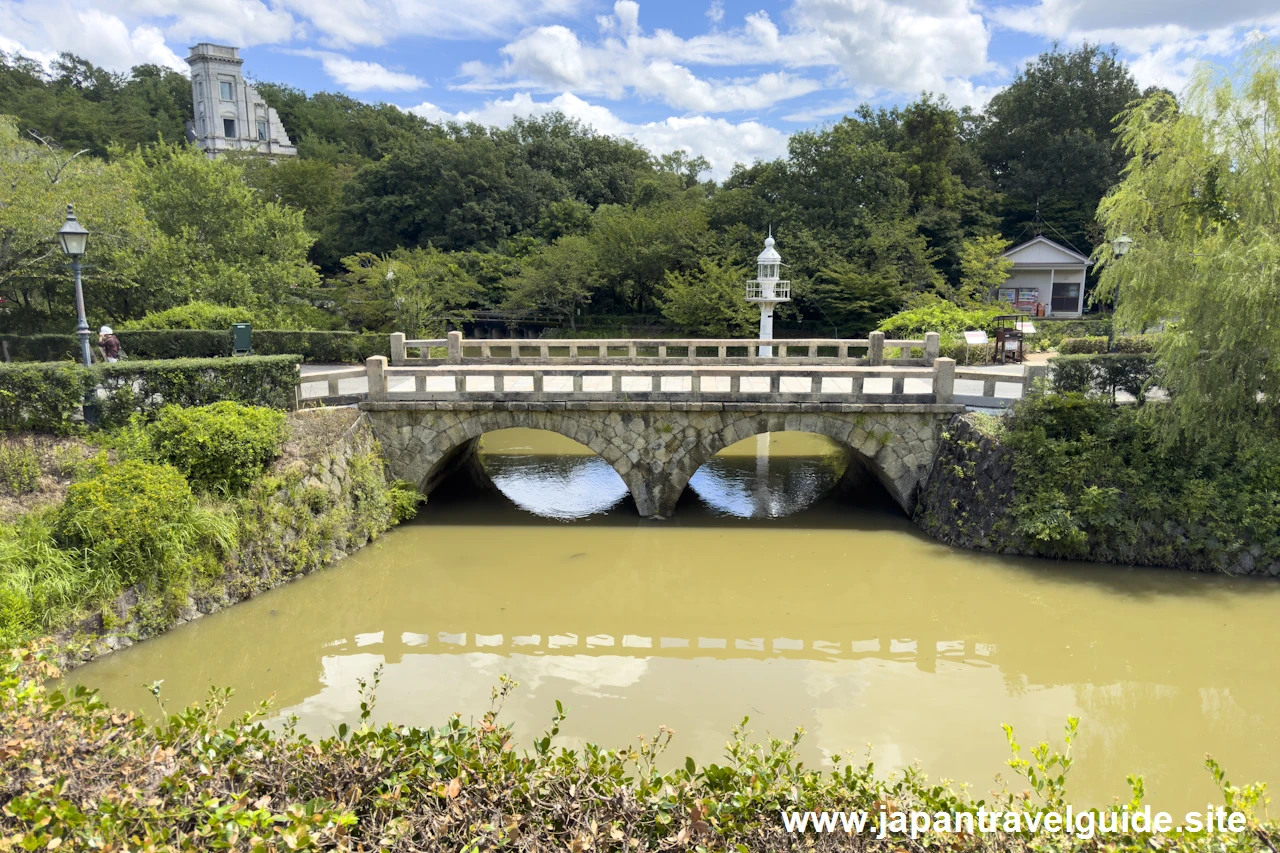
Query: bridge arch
[[656, 450], [426, 462], [891, 455]]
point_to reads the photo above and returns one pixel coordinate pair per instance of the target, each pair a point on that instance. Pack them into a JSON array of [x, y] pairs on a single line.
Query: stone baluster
[[397, 348], [875, 353], [944, 379], [376, 371], [932, 347], [455, 347]]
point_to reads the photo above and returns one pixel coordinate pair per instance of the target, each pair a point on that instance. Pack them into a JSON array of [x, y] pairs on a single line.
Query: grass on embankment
[[193, 506]]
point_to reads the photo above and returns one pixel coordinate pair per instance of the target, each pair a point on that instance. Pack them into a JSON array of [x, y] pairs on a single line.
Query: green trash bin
[[241, 335]]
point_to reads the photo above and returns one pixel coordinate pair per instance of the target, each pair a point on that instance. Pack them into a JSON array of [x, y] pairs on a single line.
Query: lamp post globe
[[1121, 245], [74, 238]]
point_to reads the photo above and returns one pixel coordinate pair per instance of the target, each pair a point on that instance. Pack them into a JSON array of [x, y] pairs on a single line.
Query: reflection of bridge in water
[[924, 654]]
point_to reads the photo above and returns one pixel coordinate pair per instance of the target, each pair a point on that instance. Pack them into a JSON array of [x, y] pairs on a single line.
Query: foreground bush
[[75, 774], [220, 447], [137, 522]]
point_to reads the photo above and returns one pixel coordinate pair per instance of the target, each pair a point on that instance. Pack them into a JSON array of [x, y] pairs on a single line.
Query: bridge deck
[[675, 370]]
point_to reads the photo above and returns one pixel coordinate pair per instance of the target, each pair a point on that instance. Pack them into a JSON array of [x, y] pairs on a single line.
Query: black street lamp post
[[1119, 248], [74, 238]]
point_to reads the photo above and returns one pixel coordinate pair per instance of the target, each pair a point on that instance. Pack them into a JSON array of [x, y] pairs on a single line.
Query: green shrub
[[42, 397], [1105, 374], [220, 447], [139, 522], [963, 354], [44, 347], [193, 315], [48, 397], [1078, 346], [946, 318], [149, 344], [19, 466], [1136, 344]]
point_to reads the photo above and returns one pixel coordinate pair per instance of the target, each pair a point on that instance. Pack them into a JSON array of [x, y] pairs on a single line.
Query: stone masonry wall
[[318, 511], [656, 447], [966, 498]]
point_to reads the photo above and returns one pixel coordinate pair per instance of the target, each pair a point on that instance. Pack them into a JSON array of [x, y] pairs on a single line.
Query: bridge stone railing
[[875, 350], [661, 383], [676, 371]]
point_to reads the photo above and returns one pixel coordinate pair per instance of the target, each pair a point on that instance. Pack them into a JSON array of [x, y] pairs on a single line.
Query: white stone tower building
[[230, 114], [768, 290]]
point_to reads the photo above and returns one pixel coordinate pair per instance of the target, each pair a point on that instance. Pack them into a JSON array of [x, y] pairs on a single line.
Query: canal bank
[[326, 496]]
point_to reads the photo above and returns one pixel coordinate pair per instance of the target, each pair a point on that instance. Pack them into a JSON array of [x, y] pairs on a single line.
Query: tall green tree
[[408, 290], [37, 181], [1201, 201], [1049, 140], [559, 280], [219, 240], [709, 301]]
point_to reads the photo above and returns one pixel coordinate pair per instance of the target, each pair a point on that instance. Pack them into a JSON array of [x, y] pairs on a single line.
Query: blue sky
[[725, 79]]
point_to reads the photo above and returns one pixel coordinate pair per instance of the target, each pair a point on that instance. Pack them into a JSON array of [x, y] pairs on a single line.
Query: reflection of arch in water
[[655, 452], [776, 474], [545, 473], [892, 456]]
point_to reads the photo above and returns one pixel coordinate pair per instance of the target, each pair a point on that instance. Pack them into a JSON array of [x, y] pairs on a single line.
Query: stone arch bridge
[[656, 410]]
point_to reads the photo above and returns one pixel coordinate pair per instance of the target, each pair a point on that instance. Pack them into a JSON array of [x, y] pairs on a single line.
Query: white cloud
[[553, 59], [715, 12], [43, 30], [1162, 40], [359, 76], [722, 142], [873, 46], [376, 22], [243, 23]]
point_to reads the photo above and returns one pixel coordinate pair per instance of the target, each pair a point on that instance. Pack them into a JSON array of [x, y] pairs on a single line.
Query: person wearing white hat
[[110, 344]]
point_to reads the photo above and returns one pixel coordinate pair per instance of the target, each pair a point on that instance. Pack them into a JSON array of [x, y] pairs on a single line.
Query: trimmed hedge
[[1078, 346], [1105, 373], [48, 397], [322, 347], [1137, 344]]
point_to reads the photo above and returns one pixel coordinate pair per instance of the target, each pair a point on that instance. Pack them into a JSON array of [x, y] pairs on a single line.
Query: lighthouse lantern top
[[767, 287], [769, 262]]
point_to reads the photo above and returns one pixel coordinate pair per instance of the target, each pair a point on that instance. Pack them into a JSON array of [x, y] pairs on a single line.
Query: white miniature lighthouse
[[768, 290]]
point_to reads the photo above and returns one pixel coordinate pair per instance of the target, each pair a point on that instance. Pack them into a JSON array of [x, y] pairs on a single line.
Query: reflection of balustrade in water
[[925, 652]]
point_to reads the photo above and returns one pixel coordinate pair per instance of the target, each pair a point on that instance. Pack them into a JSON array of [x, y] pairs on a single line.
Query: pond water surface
[[767, 596]]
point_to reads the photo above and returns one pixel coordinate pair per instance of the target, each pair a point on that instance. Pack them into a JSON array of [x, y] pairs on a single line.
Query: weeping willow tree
[[1200, 198]]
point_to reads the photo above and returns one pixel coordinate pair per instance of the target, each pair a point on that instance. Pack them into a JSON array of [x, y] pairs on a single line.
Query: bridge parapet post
[[455, 347], [944, 380], [1035, 372], [397, 348], [932, 347], [875, 352], [376, 370]]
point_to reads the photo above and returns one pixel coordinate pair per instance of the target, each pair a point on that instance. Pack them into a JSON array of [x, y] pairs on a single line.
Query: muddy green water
[[762, 598]]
